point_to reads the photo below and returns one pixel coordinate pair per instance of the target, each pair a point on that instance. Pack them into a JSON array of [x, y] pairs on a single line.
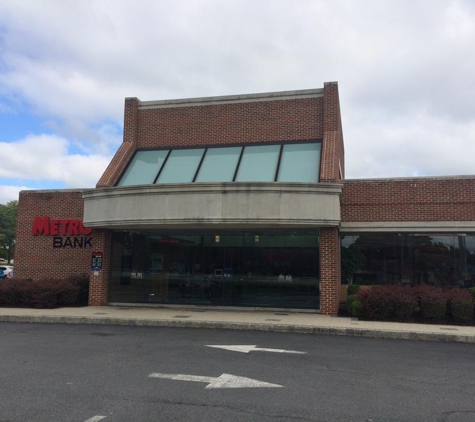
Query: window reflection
[[219, 165], [258, 164], [410, 258], [144, 168], [300, 163], [281, 270], [181, 166], [253, 163]]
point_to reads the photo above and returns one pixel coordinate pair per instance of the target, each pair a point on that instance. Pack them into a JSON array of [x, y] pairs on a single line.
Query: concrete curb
[[300, 329]]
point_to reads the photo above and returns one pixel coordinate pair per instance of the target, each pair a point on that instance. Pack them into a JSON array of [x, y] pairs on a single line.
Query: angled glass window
[[300, 163], [181, 166], [143, 168], [219, 165], [258, 163]]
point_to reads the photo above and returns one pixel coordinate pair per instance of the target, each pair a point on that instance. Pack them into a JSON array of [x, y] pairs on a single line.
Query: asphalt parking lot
[[114, 373]]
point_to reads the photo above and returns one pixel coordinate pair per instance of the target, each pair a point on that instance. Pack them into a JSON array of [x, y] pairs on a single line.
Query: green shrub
[[472, 291], [353, 289], [354, 306], [460, 304]]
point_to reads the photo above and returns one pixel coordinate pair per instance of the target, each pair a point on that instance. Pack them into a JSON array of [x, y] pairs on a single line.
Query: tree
[[352, 261], [8, 220]]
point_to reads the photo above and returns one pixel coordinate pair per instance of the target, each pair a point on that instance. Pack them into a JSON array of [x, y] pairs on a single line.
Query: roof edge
[[409, 178], [231, 99]]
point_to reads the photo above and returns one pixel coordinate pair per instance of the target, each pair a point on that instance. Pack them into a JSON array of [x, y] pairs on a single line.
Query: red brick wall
[[330, 278], [332, 149], [418, 199], [224, 124], [117, 165], [35, 256], [244, 122], [99, 280]]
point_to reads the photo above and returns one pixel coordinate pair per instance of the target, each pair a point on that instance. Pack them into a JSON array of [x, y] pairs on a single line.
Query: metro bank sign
[[66, 233]]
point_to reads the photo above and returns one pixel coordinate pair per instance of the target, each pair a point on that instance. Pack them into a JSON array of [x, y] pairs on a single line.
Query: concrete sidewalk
[[257, 320]]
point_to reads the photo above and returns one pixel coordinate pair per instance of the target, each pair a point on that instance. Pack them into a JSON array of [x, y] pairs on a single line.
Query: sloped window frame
[[236, 170]]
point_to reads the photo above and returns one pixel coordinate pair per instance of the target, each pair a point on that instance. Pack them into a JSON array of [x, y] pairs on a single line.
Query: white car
[[6, 271]]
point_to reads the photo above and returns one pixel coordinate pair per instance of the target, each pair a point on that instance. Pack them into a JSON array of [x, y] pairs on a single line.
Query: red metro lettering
[[48, 227], [57, 228]]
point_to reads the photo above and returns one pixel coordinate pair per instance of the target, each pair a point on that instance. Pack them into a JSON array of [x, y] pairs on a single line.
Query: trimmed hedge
[[397, 302], [432, 302], [460, 304], [82, 281], [46, 293], [388, 302]]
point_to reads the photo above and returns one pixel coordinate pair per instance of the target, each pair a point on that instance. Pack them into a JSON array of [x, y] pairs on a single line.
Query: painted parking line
[[95, 419]]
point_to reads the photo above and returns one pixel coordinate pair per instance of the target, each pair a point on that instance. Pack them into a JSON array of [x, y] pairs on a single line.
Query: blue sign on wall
[[96, 262]]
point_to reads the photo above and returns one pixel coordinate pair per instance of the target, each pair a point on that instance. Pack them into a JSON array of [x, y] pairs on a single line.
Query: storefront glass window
[[144, 168], [254, 163], [409, 258], [278, 270], [300, 163], [181, 166], [219, 165], [258, 163]]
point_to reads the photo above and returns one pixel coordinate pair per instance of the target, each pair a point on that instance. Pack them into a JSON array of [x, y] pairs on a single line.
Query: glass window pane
[[219, 165], [144, 168], [181, 166], [258, 164], [300, 163]]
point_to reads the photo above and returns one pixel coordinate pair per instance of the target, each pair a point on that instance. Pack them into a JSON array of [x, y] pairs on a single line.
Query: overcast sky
[[405, 68]]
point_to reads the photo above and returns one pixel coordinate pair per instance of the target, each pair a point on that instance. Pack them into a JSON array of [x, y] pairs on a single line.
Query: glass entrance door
[[258, 269]]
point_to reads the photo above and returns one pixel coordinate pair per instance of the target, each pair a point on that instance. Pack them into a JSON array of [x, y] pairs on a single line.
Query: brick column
[[333, 150], [99, 284], [330, 279]]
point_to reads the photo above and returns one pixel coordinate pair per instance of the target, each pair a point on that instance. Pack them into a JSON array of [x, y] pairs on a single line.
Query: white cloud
[[405, 69], [46, 157], [10, 193], [418, 145]]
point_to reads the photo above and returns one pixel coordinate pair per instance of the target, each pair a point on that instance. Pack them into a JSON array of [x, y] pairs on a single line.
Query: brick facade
[[330, 275], [333, 151], [226, 124], [252, 119], [411, 199], [36, 256], [99, 284]]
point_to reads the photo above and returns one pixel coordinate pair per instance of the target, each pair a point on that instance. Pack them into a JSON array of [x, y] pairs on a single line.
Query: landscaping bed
[[46, 293], [420, 303]]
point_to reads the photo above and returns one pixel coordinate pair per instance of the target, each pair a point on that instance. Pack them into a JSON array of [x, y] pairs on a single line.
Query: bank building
[[242, 201]]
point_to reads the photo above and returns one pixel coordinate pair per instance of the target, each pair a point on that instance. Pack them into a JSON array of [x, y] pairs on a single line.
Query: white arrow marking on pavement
[[254, 348], [223, 381], [96, 418]]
